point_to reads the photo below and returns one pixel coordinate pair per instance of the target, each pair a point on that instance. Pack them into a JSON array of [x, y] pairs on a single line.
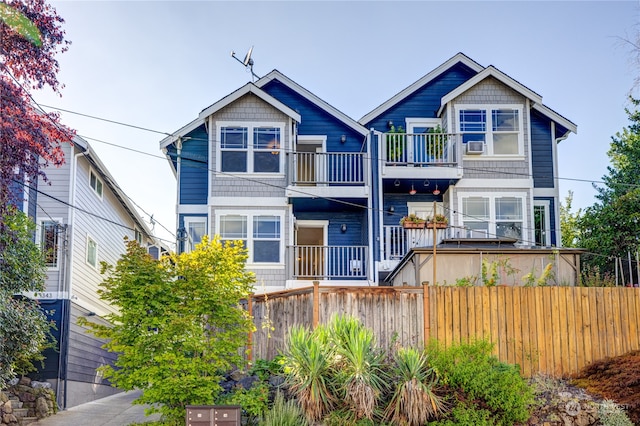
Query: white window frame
[[249, 215], [39, 231], [417, 207], [489, 145], [86, 257], [250, 126], [99, 183], [546, 204], [189, 244], [492, 220]]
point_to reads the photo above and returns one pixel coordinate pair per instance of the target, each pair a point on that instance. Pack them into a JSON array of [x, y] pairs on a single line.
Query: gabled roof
[[124, 200], [232, 97], [458, 58], [277, 75]]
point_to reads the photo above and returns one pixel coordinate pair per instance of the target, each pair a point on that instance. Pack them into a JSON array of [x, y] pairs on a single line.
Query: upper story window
[[498, 128], [138, 236], [196, 228], [96, 183], [260, 233], [92, 252], [251, 149], [49, 241], [493, 216]]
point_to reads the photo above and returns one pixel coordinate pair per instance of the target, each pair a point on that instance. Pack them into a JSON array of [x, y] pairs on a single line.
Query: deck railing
[[327, 168], [421, 149], [397, 240], [330, 262]]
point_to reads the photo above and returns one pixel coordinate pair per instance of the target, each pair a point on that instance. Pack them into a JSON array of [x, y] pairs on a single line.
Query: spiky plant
[[308, 372], [284, 413], [359, 365], [414, 400]]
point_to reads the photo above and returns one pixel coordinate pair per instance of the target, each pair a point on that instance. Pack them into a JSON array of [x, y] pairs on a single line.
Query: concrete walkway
[[114, 410]]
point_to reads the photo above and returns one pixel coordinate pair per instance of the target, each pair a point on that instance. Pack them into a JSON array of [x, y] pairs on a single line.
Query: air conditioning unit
[[475, 147]]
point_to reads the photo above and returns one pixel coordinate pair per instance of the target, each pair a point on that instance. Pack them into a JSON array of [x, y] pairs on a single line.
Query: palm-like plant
[[358, 365], [284, 413], [414, 401], [308, 371]]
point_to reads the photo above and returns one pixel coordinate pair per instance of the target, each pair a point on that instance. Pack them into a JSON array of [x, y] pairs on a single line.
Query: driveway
[[114, 410]]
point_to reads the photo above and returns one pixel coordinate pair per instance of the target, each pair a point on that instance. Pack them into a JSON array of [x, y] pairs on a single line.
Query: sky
[[157, 64]]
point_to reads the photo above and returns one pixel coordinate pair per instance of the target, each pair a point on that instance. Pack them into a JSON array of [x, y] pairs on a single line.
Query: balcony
[[397, 241], [319, 174], [329, 262], [422, 156]]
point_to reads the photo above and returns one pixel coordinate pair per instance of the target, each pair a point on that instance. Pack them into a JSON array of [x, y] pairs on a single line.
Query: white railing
[[397, 240], [329, 262], [347, 168], [421, 149]]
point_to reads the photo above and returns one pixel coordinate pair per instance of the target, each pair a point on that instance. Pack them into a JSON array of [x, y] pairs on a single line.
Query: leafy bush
[[254, 401], [464, 414], [611, 414], [284, 413], [484, 379]]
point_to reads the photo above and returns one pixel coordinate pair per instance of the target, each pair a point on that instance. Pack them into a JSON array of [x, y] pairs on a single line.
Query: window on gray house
[[49, 242]]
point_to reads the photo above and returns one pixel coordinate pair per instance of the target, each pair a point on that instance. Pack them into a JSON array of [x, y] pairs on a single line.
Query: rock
[[25, 381], [42, 409], [14, 381], [237, 375], [572, 408], [247, 382], [3, 397], [9, 418], [40, 385], [7, 407]]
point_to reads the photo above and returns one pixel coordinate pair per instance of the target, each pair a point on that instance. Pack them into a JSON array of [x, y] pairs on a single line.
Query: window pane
[[196, 231], [509, 229], [234, 161], [473, 120], [92, 252], [233, 138], [473, 137], [505, 143], [266, 138], [49, 243], [508, 208], [505, 120], [477, 229], [475, 208], [266, 162], [266, 227], [233, 227], [266, 251]]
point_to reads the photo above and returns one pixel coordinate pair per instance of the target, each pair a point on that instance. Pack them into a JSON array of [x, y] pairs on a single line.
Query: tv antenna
[[247, 62]]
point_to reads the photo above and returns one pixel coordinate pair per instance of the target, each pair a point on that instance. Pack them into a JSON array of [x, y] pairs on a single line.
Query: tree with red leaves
[[30, 139]]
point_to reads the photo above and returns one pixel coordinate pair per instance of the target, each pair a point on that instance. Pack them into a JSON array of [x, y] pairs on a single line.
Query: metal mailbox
[[214, 415]]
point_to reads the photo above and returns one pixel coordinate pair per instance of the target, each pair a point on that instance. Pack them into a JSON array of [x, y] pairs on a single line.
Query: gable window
[[251, 149], [96, 183], [92, 252], [493, 216], [138, 236], [499, 128], [49, 242], [196, 228], [259, 233]]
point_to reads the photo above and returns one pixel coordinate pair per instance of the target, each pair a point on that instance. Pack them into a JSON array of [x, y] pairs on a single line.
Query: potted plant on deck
[[395, 144], [412, 222], [439, 221]]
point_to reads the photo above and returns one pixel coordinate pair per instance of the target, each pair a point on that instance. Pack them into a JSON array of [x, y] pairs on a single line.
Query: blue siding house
[[317, 196]]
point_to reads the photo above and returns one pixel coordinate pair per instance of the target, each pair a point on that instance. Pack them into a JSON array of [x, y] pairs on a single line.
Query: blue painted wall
[[541, 151], [194, 168], [425, 101], [316, 121], [58, 312]]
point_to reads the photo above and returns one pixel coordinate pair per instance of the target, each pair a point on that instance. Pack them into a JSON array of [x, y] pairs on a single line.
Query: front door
[[311, 242]]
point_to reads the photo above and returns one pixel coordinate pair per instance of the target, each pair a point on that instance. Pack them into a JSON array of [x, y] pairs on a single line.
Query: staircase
[[21, 414]]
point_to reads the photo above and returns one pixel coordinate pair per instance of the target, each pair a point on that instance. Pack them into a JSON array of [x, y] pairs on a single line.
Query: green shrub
[[264, 369], [482, 377], [254, 401], [611, 414], [464, 414], [284, 413]]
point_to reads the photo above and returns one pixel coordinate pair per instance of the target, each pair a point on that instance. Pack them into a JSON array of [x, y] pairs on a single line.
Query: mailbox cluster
[[213, 415]]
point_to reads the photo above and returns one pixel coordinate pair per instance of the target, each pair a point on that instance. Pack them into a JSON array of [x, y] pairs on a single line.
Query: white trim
[[412, 122], [57, 221], [556, 117], [187, 221], [490, 71], [327, 191], [459, 57], [426, 206], [250, 126], [93, 172], [495, 183], [489, 144], [547, 220], [184, 130], [250, 202], [86, 254], [249, 215], [545, 192], [192, 209], [277, 75], [523, 195], [244, 90]]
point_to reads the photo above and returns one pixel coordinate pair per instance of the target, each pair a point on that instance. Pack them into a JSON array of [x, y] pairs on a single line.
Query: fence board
[[554, 330]]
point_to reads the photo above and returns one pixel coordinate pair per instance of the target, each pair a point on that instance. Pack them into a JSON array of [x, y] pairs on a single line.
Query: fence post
[[250, 338], [316, 303], [426, 313]]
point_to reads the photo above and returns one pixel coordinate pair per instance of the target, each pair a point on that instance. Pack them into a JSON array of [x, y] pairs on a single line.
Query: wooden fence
[[553, 330]]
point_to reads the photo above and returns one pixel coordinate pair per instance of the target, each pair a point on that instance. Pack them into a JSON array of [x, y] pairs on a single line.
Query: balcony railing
[[421, 149], [335, 168], [397, 240], [329, 262]]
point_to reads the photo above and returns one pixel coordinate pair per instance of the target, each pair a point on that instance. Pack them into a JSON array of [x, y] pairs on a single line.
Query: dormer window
[[497, 128], [251, 149]]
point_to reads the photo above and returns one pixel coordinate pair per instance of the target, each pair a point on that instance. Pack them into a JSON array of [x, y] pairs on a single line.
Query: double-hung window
[[251, 149], [96, 183], [493, 216], [499, 128], [260, 234]]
